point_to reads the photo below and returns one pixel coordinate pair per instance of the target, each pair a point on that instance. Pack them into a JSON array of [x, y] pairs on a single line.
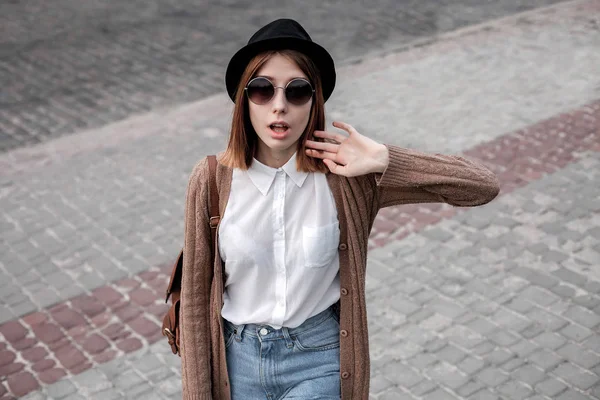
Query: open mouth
[[279, 128]]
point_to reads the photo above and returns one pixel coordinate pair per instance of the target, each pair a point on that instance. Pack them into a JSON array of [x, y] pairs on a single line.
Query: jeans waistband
[[254, 329]]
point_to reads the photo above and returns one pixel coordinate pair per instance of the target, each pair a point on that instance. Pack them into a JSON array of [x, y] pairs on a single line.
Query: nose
[[279, 102]]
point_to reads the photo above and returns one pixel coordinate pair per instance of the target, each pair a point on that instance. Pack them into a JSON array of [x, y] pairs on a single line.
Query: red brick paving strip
[[116, 319], [517, 158]]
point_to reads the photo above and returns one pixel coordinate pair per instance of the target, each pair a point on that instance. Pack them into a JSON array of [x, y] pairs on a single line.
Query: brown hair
[[243, 140]]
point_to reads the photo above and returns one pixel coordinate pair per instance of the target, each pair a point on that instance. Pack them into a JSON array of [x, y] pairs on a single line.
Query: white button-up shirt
[[279, 239]]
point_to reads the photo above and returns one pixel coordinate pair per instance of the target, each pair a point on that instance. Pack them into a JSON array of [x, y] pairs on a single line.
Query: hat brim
[[318, 54]]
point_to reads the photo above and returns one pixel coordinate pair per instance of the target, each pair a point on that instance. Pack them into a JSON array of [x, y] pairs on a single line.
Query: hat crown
[[280, 28]]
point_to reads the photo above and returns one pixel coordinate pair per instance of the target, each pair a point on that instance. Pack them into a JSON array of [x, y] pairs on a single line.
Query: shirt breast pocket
[[320, 244]]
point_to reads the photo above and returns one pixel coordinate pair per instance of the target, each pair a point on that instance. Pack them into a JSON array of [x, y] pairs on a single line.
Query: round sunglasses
[[260, 91]]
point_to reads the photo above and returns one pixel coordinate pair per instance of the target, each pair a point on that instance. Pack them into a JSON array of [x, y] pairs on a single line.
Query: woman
[[288, 318]]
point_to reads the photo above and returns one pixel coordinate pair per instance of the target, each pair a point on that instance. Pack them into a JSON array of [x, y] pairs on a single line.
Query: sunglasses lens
[[260, 91], [298, 92]]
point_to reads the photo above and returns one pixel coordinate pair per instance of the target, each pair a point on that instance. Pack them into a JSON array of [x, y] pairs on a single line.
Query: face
[[276, 145]]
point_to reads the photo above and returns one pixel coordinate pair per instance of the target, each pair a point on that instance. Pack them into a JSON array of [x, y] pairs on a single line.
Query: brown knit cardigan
[[410, 177]]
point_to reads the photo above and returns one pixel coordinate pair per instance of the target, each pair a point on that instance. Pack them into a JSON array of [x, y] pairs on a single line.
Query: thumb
[[333, 167]]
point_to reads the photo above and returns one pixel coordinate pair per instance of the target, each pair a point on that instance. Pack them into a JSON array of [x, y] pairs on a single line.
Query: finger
[[330, 135], [325, 146], [335, 168], [320, 154], [347, 127]]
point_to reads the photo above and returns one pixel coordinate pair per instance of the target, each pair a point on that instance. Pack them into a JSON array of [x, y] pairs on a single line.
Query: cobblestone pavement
[[512, 312], [68, 65], [499, 301]]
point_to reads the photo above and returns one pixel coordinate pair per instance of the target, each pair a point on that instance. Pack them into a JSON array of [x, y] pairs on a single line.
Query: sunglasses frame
[[279, 87]]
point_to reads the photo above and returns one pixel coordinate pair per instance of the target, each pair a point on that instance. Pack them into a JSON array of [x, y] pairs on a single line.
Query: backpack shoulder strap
[[174, 286], [213, 195]]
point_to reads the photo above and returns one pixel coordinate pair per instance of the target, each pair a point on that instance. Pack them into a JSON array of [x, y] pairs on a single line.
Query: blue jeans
[[300, 363]]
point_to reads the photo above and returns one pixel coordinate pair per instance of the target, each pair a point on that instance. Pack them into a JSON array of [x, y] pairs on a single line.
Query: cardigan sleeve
[[195, 289], [415, 177]]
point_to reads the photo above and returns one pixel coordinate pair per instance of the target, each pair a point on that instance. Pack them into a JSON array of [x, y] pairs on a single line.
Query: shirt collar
[[263, 176]]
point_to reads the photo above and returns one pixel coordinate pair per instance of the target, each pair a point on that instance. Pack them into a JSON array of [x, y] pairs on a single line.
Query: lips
[[279, 126]]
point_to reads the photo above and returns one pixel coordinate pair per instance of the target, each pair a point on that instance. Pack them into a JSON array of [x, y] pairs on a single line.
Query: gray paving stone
[[573, 395], [576, 376], [439, 394], [401, 374], [484, 394], [579, 355], [513, 321], [61, 389], [451, 354], [583, 316], [532, 331], [503, 338], [492, 377], [379, 384], [519, 305], [75, 396], [424, 387], [550, 340], [499, 356], [576, 332], [6, 313], [588, 301], [139, 391], [394, 394], [546, 359], [469, 388], [550, 387], [127, 379], [514, 390], [484, 348], [539, 296], [548, 320], [529, 374], [23, 308], [593, 343], [524, 348], [570, 276], [513, 364], [108, 394], [91, 381], [482, 326]]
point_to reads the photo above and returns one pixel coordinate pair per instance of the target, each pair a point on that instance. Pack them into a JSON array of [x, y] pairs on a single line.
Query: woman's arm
[[414, 177], [195, 289]]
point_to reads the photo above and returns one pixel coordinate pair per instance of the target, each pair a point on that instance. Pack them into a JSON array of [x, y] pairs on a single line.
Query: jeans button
[[264, 331]]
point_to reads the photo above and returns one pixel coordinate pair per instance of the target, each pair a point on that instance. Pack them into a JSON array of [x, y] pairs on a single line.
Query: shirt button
[[344, 333], [345, 375], [344, 291], [343, 246], [264, 331]]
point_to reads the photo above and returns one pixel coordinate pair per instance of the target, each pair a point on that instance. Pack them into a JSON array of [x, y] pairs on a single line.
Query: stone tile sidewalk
[[500, 301]]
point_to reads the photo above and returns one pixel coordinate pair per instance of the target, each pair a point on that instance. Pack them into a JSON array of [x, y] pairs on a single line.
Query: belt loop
[[238, 332], [288, 340]]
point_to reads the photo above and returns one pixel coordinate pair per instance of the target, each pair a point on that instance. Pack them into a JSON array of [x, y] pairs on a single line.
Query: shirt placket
[[279, 249]]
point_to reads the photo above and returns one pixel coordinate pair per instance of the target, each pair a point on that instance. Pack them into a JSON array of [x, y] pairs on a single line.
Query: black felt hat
[[278, 35]]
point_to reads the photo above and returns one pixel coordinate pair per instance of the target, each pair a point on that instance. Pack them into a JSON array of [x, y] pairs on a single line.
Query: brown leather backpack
[[170, 325]]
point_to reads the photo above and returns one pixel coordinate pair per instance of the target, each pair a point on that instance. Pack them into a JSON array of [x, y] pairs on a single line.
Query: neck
[[274, 159]]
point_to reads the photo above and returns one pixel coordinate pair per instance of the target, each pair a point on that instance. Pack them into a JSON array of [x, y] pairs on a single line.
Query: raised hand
[[351, 155]]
